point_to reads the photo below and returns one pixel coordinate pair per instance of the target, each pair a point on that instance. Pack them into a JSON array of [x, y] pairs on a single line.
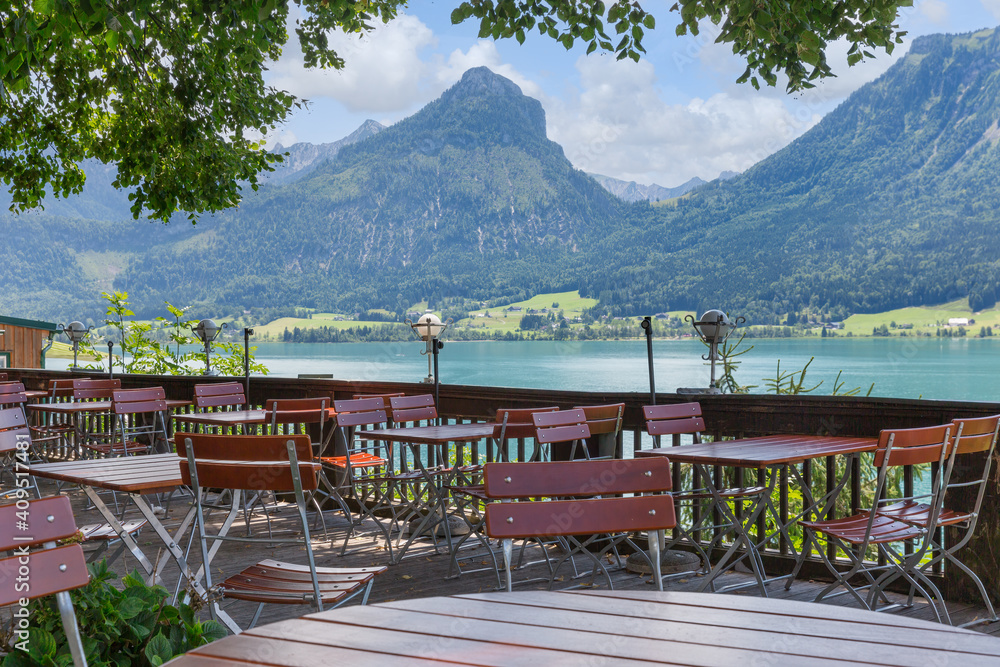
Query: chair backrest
[[913, 446], [976, 435], [88, 389], [53, 570], [512, 520], [560, 426], [412, 408], [602, 419], [675, 419], [139, 401], [219, 395], [367, 411], [298, 410], [61, 389], [13, 430], [12, 393], [576, 478], [249, 462], [516, 422], [385, 397]]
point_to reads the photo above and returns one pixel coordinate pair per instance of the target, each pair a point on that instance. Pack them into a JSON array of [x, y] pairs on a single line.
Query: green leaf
[[159, 650], [41, 645], [43, 7], [212, 630]]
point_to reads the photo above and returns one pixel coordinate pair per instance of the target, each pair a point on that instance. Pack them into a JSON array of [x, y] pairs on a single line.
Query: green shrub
[[132, 627]]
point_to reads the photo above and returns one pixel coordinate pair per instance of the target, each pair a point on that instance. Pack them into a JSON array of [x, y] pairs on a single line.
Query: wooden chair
[[63, 426], [360, 468], [138, 413], [225, 395], [260, 463], [298, 416], [12, 396], [586, 514], [15, 452], [412, 409], [54, 570], [559, 427], [673, 422], [470, 498], [972, 436], [96, 427], [854, 535], [605, 423]]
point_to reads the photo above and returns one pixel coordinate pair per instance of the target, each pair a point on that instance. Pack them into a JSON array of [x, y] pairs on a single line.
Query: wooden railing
[[725, 416]]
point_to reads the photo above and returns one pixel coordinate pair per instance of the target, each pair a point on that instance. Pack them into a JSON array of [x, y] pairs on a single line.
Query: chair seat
[[116, 448], [104, 531], [287, 583], [738, 492], [851, 529], [918, 514], [476, 490], [359, 460]]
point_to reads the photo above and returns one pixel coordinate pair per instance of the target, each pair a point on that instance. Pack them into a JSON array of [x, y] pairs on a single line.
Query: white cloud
[[935, 11], [993, 7], [619, 126], [447, 73], [383, 70]]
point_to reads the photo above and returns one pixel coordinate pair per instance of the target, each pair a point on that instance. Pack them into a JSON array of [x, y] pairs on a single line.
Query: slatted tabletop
[[764, 452], [599, 627], [77, 407], [431, 435], [129, 474], [237, 417]]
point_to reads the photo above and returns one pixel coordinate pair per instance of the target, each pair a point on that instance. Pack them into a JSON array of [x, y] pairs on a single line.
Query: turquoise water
[[942, 368]]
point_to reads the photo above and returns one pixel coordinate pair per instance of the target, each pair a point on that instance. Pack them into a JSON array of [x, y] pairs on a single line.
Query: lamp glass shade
[[428, 326], [76, 331], [714, 325], [206, 330]]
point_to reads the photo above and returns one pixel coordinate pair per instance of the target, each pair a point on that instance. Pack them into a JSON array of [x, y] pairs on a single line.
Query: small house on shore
[[22, 342]]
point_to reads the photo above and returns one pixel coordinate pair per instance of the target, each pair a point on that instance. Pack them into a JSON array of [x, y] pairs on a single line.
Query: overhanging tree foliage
[[173, 94]]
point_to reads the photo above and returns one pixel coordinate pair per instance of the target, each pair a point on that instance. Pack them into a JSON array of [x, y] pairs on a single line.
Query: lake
[[941, 368]]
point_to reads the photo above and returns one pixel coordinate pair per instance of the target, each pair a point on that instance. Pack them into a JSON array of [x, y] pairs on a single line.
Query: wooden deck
[[422, 573]]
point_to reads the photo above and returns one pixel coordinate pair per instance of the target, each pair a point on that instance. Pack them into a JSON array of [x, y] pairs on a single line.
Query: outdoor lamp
[[714, 328], [430, 327], [76, 332], [207, 331]]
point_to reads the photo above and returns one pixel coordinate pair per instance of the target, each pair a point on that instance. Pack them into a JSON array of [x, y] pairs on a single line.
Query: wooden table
[[132, 476], [600, 628], [432, 437], [774, 453], [75, 409], [227, 418]]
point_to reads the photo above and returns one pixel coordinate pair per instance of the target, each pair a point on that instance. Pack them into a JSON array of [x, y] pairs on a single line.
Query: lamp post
[[247, 332], [714, 328], [647, 327], [76, 332], [430, 327], [207, 331]]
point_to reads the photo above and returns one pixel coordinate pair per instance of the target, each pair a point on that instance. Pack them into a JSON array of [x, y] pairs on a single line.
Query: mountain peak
[[481, 91], [482, 81]]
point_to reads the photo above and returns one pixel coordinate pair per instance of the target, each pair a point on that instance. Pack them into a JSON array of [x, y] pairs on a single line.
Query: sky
[[676, 114]]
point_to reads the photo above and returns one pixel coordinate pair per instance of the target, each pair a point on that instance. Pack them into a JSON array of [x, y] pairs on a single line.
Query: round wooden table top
[[541, 628]]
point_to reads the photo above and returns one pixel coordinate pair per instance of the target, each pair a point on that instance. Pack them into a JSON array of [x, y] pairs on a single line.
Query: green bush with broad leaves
[[128, 627]]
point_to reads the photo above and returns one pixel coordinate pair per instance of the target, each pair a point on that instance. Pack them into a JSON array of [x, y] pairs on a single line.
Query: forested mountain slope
[[891, 200]]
